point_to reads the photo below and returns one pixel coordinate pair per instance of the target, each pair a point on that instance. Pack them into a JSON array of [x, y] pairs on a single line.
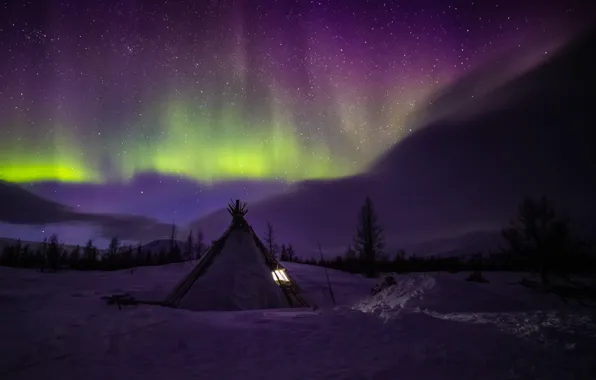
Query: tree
[[291, 253], [369, 242], [75, 256], [149, 260], [399, 260], [53, 253], [111, 257], [174, 255], [8, 256], [64, 257], [270, 240], [189, 247], [539, 235], [17, 253], [11, 255], [283, 253], [162, 257], [127, 258], [350, 253], [139, 257], [173, 237], [113, 247], [27, 257], [200, 246], [90, 254], [42, 258]]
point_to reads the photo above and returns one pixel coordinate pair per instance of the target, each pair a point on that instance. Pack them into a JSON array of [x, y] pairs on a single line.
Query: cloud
[[132, 227], [19, 206]]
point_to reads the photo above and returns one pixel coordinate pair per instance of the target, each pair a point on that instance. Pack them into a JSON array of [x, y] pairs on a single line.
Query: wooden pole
[[327, 275]]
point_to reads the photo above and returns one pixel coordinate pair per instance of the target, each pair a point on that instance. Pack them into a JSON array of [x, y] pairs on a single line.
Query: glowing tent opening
[[280, 277]]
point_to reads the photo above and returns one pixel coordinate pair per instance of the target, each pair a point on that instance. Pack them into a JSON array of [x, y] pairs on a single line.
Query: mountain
[[159, 245], [463, 173], [20, 206]]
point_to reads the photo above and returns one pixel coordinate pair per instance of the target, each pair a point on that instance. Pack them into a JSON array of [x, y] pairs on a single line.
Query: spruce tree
[[114, 245], [369, 241], [90, 254], [75, 256]]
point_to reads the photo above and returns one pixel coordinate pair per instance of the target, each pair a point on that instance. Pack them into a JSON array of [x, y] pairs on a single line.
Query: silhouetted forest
[[51, 255], [537, 240]]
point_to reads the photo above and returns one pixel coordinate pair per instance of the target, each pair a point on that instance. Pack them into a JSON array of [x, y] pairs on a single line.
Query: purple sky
[[166, 109]]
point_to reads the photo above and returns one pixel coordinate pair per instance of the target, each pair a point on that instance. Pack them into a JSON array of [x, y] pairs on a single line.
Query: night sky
[[168, 108]]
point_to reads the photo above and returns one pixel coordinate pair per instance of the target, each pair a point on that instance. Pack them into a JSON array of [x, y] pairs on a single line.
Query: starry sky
[[133, 106]]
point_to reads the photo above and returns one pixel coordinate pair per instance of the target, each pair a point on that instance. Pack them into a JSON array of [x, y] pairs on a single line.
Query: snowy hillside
[[436, 326]]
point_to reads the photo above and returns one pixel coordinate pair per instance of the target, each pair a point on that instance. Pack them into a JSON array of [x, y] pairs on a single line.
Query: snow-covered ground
[[436, 326]]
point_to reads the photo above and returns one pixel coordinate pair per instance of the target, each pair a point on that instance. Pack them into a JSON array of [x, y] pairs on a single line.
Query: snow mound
[[390, 301]]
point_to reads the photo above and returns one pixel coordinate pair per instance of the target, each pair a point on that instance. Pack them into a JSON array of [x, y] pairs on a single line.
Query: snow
[[428, 326], [237, 279]]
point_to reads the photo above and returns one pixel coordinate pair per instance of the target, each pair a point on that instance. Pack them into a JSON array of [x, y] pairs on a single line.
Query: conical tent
[[237, 273]]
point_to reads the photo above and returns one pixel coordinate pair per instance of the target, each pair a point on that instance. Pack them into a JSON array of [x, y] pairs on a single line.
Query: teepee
[[237, 273]]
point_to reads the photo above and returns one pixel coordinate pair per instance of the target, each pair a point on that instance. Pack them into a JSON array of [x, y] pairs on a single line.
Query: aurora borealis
[[101, 92]]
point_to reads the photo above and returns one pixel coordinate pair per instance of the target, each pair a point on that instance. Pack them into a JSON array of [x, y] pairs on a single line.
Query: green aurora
[[184, 143]]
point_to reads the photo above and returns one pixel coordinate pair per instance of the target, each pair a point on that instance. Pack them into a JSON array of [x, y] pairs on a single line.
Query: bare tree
[[174, 255], [283, 253], [200, 246], [540, 235], [350, 253], [173, 237], [270, 240], [189, 247], [291, 253]]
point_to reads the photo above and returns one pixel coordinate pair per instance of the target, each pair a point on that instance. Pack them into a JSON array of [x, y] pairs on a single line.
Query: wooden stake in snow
[[326, 274]]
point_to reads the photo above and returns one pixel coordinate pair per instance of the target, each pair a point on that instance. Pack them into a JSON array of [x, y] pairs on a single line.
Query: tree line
[[52, 255], [537, 240]]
